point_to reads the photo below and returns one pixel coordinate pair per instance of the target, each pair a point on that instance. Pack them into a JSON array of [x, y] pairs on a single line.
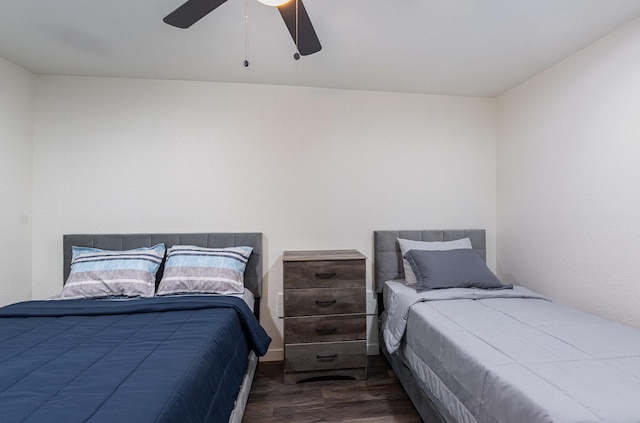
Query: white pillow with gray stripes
[[197, 270], [97, 273]]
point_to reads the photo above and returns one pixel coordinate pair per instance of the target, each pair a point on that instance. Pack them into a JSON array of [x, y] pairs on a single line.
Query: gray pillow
[[408, 244], [452, 269]]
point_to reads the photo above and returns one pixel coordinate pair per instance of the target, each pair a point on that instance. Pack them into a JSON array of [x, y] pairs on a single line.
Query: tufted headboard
[[386, 251], [253, 272]]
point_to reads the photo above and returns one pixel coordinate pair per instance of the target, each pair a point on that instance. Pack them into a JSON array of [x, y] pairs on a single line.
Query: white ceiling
[[453, 47]]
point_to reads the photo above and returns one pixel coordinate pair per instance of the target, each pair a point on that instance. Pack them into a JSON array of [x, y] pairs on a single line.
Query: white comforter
[[403, 297], [514, 357]]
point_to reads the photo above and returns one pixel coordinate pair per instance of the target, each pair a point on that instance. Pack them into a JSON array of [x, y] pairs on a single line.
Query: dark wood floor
[[378, 399]]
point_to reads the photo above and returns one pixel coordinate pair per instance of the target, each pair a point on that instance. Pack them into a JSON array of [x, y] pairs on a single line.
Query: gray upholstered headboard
[[253, 272], [386, 251]]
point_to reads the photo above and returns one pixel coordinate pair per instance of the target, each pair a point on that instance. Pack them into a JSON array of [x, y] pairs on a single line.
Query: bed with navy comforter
[[147, 328], [145, 360]]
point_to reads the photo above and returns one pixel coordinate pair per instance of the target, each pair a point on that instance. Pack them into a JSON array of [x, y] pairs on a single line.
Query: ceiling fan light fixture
[[274, 2], [293, 13]]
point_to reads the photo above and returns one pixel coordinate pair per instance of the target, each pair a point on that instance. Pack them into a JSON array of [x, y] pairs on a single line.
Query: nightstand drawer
[[325, 356], [324, 274], [348, 327], [322, 301]]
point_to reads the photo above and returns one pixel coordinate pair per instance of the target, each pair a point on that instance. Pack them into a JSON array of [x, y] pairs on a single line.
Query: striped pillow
[[99, 273], [199, 270]]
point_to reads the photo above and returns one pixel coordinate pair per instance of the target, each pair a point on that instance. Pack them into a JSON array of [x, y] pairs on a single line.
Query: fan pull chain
[[245, 63], [296, 55]]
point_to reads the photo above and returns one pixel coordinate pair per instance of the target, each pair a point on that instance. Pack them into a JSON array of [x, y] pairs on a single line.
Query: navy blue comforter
[[164, 359]]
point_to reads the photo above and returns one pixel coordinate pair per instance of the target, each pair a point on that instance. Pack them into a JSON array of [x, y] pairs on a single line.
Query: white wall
[[569, 180], [310, 168], [16, 102]]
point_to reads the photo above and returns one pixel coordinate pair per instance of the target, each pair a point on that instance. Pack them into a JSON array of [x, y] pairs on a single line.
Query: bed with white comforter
[[513, 356], [509, 356]]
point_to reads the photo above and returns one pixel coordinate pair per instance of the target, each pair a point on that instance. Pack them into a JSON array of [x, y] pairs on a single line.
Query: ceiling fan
[[293, 13]]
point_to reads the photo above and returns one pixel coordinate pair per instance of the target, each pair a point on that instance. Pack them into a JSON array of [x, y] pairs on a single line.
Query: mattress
[[152, 359], [518, 359]]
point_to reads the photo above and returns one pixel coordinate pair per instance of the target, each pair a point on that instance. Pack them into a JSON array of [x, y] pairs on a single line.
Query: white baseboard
[[274, 354]]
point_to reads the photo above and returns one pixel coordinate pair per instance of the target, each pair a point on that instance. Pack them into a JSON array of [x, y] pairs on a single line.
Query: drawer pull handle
[[326, 331], [325, 303], [325, 275], [328, 357]]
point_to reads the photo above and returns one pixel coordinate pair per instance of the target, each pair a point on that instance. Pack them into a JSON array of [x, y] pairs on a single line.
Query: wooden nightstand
[[324, 314]]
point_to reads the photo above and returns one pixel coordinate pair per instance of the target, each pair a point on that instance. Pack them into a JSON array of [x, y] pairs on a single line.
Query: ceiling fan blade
[[191, 12], [308, 42]]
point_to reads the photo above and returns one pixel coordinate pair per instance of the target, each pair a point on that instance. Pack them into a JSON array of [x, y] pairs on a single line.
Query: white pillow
[[407, 245]]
